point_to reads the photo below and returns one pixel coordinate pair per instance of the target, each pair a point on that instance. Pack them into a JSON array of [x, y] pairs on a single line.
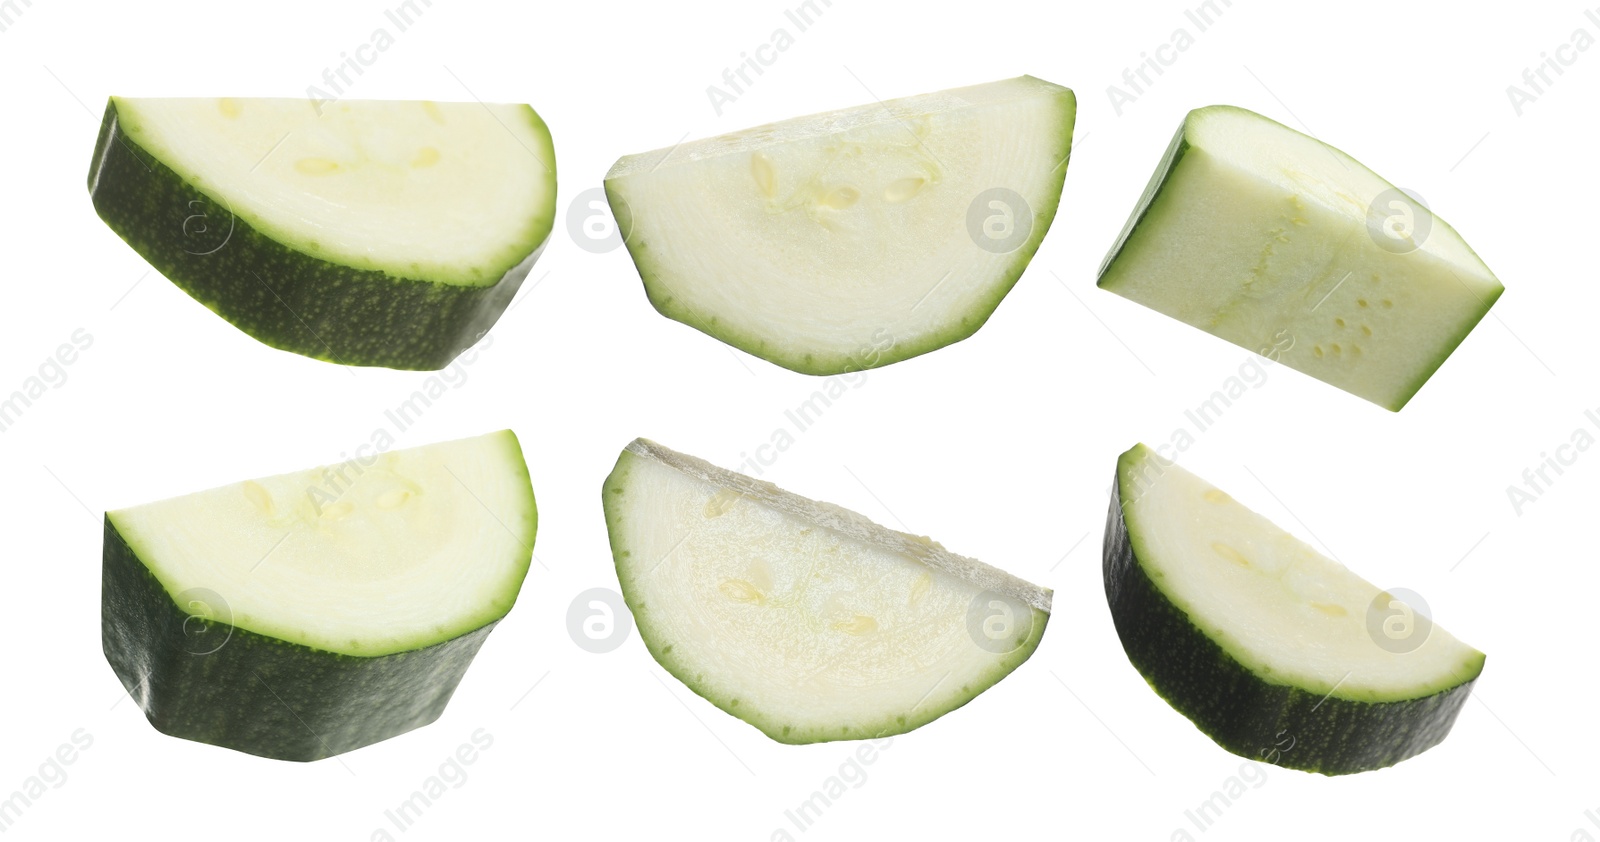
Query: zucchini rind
[[1274, 651], [307, 614], [361, 232]]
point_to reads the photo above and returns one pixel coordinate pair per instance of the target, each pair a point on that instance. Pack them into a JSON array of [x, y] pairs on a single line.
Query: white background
[[1001, 447]]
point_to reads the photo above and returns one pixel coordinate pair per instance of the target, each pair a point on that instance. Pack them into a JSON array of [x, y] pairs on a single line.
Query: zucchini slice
[[1274, 651], [380, 233], [803, 619], [303, 615], [1287, 247], [855, 238]]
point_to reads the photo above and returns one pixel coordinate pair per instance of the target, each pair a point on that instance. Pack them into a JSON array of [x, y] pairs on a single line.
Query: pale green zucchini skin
[[1144, 233], [280, 295]]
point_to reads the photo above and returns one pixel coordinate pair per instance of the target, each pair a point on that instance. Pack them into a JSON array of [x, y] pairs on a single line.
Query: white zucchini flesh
[[1283, 610], [821, 240], [454, 193], [394, 552], [1286, 246], [807, 620]]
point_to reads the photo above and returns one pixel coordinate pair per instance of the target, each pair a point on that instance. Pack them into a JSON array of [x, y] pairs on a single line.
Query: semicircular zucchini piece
[[801, 618], [1273, 650], [855, 238], [1289, 248], [362, 232], [307, 614]]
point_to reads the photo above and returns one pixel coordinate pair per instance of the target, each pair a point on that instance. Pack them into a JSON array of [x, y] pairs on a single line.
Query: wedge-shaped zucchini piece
[[303, 615], [855, 238], [1273, 650], [806, 620], [384, 233], [1282, 244]]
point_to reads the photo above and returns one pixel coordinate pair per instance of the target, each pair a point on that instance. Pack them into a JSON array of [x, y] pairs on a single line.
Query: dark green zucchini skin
[[214, 683], [282, 296], [1244, 714]]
